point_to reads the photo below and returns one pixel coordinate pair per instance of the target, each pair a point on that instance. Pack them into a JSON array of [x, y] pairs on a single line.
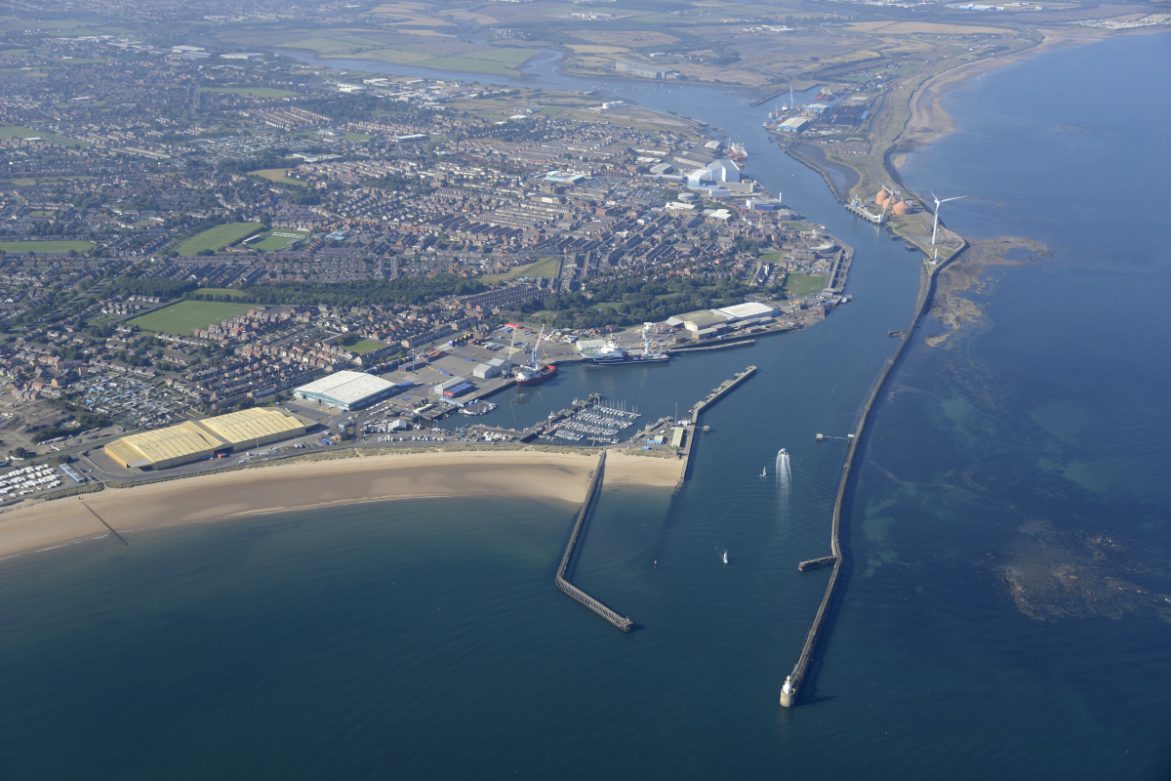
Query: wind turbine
[[939, 202]]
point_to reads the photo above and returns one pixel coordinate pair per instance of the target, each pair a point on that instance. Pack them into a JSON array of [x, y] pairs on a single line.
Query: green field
[[20, 247], [216, 238], [277, 175], [498, 62], [226, 292], [184, 317], [252, 92], [278, 239], [545, 268], [360, 346], [357, 137], [15, 131], [800, 285]]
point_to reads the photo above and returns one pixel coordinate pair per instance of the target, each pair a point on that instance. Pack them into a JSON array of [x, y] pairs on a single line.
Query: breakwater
[[796, 678], [698, 408], [594, 604]]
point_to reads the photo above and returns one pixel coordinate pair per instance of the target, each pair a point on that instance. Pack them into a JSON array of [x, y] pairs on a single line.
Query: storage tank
[[882, 198], [900, 208]]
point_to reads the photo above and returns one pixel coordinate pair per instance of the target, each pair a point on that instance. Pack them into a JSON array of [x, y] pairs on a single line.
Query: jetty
[[793, 682], [818, 563], [698, 408], [593, 603]]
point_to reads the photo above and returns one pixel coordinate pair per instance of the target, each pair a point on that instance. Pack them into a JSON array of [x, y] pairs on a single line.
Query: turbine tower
[[939, 202]]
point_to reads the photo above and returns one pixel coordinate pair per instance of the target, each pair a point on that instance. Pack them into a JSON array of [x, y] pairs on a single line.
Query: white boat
[[725, 555], [764, 471]]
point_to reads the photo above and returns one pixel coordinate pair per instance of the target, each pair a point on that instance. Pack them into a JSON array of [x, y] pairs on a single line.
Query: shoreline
[[313, 485], [929, 121]]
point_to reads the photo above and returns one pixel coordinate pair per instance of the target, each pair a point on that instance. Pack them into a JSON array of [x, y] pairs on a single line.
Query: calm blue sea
[[1008, 538]]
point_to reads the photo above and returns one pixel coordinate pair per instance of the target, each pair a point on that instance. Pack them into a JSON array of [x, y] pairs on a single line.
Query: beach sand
[[312, 484], [929, 120]]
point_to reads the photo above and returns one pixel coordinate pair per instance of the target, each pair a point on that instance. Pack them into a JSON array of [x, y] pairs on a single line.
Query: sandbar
[[304, 485]]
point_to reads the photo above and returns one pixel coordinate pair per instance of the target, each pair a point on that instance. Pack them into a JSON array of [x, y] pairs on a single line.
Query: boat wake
[[783, 469]]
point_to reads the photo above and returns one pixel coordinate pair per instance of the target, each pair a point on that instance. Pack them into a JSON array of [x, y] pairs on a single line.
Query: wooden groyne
[[796, 678], [594, 604], [113, 531]]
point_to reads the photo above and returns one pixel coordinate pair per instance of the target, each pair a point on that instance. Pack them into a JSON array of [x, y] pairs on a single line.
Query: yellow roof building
[[253, 427], [194, 440], [164, 447]]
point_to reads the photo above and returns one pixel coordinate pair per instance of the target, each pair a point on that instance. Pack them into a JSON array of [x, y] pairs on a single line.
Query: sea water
[[425, 639]]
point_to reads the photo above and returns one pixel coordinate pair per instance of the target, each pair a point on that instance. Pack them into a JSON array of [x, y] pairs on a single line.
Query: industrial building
[[194, 440], [706, 323], [347, 390], [494, 367], [450, 389], [253, 427], [163, 447], [747, 311]]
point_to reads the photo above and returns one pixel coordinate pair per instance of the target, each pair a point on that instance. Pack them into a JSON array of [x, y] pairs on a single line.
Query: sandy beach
[[929, 120], [312, 484]]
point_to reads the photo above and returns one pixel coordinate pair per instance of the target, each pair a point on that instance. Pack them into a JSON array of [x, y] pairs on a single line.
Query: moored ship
[[534, 375], [535, 372], [611, 354]]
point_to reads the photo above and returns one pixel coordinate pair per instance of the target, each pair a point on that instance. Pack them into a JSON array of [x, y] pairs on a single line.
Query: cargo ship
[[611, 354], [738, 153], [534, 373]]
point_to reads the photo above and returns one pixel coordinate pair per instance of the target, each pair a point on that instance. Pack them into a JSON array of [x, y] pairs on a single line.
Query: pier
[[793, 682], [697, 409], [594, 604], [818, 563], [720, 391]]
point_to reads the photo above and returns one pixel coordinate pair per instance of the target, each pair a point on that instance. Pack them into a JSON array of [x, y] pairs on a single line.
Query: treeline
[[405, 291], [631, 301], [164, 288]]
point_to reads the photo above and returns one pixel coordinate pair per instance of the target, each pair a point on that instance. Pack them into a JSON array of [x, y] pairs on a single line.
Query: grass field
[[360, 346], [227, 292], [278, 239], [15, 131], [499, 62], [252, 92], [545, 268], [277, 175], [216, 238], [799, 285], [184, 317], [20, 247]]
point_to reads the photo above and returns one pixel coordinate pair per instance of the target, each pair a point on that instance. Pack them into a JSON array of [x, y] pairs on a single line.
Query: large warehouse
[[194, 440], [347, 390]]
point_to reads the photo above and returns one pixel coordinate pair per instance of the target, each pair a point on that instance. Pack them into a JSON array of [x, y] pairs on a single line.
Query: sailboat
[[725, 555], [764, 471]]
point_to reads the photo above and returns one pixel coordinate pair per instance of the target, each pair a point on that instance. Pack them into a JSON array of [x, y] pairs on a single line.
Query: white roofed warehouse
[[347, 390]]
